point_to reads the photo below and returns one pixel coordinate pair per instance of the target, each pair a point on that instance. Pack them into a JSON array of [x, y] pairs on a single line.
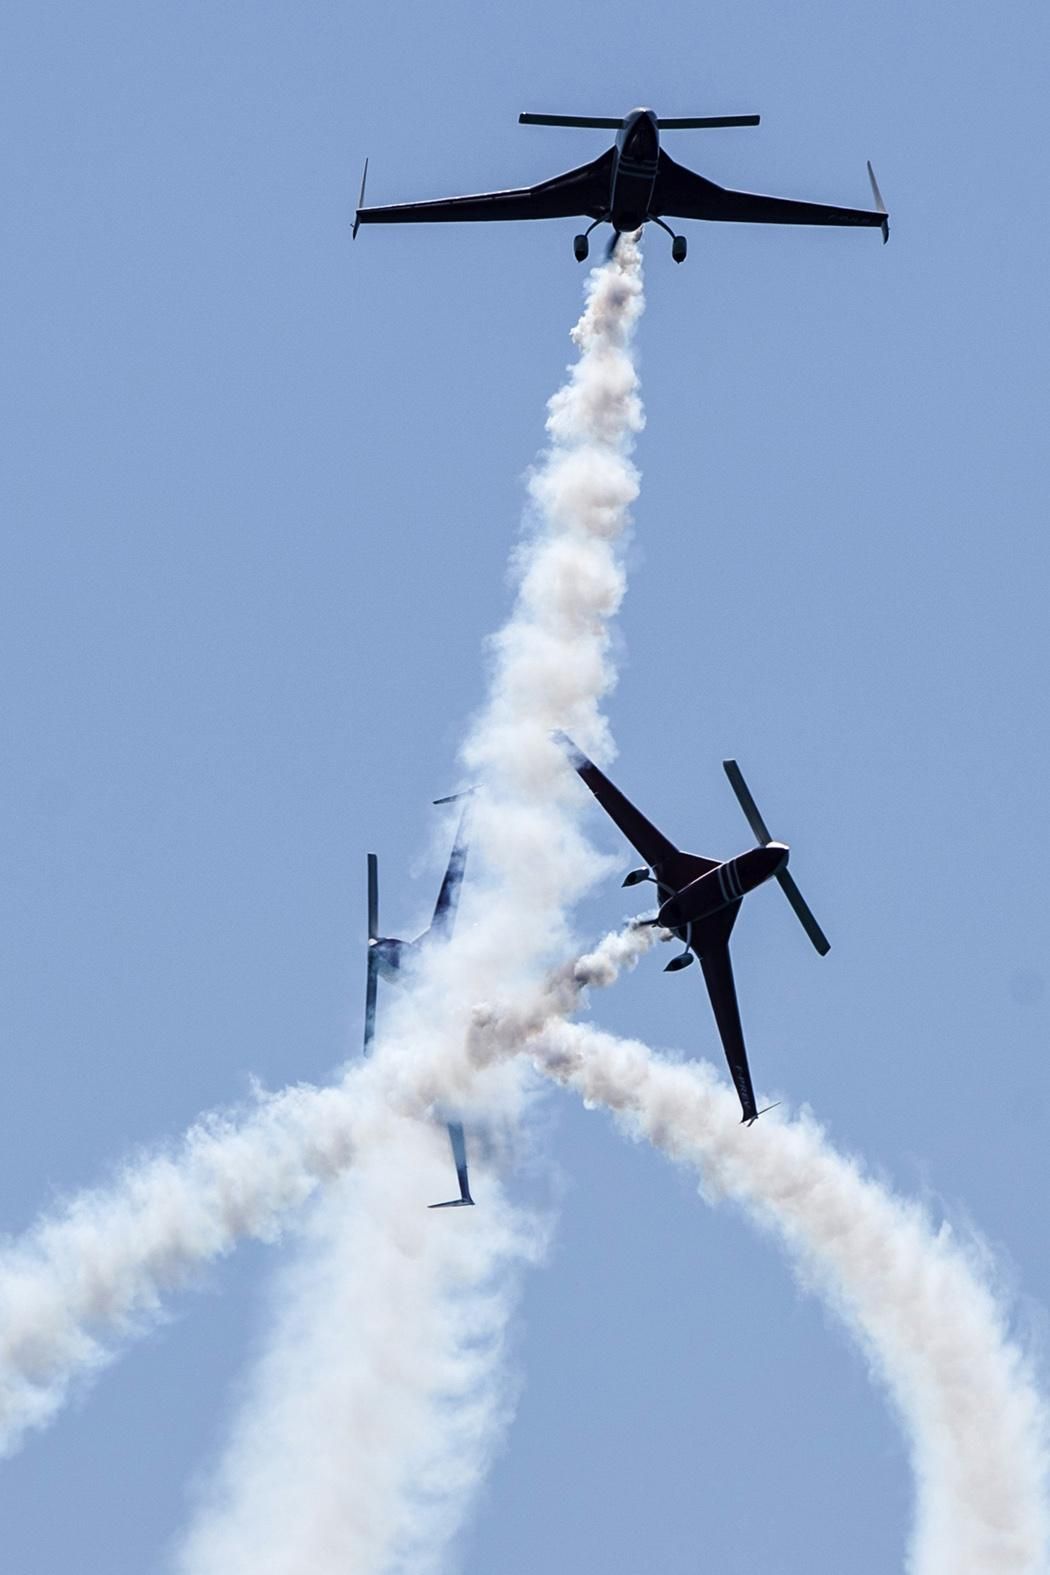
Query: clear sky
[[259, 489]]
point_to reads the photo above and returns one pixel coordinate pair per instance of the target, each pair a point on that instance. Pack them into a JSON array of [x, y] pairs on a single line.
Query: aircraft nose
[[780, 853]]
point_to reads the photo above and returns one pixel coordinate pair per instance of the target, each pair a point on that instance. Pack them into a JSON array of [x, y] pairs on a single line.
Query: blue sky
[[261, 486]]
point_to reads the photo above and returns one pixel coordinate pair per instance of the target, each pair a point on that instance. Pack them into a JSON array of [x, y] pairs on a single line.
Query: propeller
[[753, 816], [373, 934], [370, 1001], [610, 250], [373, 897]]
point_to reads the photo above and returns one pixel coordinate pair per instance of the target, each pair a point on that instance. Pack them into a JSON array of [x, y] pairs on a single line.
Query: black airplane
[[387, 955], [633, 183], [700, 899]]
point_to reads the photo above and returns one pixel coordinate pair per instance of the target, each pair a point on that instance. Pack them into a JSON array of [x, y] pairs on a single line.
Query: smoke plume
[[917, 1299], [392, 1318]]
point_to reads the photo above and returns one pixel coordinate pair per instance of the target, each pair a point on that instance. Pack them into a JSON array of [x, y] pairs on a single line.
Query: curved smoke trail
[[917, 1301], [99, 1270]]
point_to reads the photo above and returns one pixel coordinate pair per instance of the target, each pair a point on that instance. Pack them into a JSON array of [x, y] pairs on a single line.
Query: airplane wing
[[682, 194], [718, 976], [672, 867], [448, 897], [579, 193]]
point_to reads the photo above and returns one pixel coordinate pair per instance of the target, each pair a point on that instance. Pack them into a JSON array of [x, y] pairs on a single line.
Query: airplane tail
[[614, 122], [749, 1121], [459, 1155]]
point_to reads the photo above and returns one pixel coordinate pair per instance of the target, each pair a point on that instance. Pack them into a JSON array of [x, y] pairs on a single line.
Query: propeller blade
[[610, 250], [803, 913], [747, 803], [370, 1001], [373, 897]]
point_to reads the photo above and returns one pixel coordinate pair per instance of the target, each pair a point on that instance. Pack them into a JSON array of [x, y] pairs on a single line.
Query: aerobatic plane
[[632, 183], [387, 955], [700, 899]]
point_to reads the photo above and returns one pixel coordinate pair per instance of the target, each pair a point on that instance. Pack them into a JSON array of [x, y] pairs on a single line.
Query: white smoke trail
[[918, 1301], [372, 1415], [551, 668], [98, 1271]]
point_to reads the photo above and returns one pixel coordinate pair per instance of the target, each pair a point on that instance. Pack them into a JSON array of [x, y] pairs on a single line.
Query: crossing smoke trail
[[280, 1507], [99, 1270], [921, 1307]]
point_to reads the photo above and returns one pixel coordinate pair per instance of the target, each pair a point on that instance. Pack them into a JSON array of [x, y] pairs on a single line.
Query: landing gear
[[684, 958], [580, 244], [679, 244], [681, 961]]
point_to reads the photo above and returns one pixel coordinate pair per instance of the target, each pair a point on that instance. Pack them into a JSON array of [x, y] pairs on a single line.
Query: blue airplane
[[387, 955]]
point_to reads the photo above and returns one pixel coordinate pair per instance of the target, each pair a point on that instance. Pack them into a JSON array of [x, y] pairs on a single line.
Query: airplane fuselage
[[634, 170], [725, 884], [389, 954]]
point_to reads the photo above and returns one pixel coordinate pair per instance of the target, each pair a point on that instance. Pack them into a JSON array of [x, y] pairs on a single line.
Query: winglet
[[361, 202], [880, 204]]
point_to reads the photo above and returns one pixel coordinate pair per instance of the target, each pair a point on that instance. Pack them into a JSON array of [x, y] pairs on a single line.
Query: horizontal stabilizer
[[453, 1203], [706, 122], [595, 122], [750, 1120]]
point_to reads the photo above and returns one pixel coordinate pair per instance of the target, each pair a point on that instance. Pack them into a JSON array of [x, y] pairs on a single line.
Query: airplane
[[633, 183], [387, 955], [700, 899]]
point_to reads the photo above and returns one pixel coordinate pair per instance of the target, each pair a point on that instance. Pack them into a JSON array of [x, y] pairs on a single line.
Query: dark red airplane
[[633, 183], [700, 899]]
